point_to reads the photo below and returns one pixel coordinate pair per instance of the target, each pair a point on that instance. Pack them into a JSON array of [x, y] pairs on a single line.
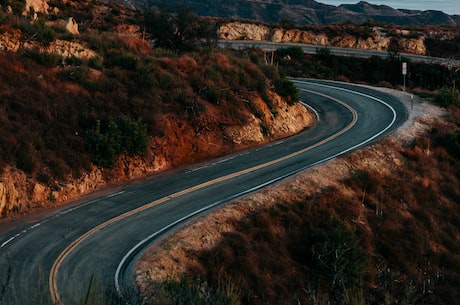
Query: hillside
[[301, 13], [94, 105], [90, 95], [379, 226]]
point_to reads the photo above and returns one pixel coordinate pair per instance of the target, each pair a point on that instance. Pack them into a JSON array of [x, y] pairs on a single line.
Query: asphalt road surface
[[54, 260]]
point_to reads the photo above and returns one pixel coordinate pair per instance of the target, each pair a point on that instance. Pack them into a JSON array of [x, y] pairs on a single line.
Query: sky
[[448, 6]]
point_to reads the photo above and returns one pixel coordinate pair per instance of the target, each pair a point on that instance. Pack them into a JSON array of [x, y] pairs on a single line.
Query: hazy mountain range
[[303, 12]]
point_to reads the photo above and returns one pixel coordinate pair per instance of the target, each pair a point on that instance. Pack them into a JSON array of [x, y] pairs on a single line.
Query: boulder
[[72, 26], [37, 6]]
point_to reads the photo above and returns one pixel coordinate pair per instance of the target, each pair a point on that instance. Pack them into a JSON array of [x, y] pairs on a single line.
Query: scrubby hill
[[79, 110], [83, 107], [379, 226]]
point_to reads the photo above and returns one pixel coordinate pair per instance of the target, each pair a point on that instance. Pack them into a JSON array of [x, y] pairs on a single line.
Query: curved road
[[94, 243]]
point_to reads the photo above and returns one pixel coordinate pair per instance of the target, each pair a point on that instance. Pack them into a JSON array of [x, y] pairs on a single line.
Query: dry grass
[[400, 198]]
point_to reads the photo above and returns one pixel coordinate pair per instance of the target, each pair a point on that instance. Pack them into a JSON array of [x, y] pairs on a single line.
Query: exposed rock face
[[243, 31], [37, 6], [72, 26], [377, 40], [13, 42], [13, 190], [70, 48], [10, 41]]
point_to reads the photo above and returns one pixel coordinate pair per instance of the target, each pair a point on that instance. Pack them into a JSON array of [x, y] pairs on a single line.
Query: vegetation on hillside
[[395, 241], [379, 237], [374, 70], [61, 115]]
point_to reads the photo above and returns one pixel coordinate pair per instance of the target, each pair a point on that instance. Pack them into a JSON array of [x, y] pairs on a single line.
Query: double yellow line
[[52, 280]]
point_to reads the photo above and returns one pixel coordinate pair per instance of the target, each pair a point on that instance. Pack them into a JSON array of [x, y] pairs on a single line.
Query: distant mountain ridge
[[304, 12]]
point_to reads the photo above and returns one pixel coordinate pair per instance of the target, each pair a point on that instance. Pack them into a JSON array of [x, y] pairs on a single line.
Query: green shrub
[[114, 137], [74, 61], [452, 144], [196, 292], [38, 31], [336, 254], [18, 6], [123, 61], [95, 63], [43, 58], [447, 96], [212, 94], [4, 17], [25, 159], [292, 52], [271, 72], [287, 90], [79, 75]]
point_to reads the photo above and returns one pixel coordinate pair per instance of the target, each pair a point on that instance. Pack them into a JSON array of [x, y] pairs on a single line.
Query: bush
[[115, 137], [38, 31], [25, 159], [18, 6], [288, 90], [46, 59], [447, 97], [123, 61], [196, 292], [181, 30], [336, 254], [452, 144], [292, 52]]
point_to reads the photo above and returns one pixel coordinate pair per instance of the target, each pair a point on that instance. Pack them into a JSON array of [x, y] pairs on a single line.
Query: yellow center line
[[52, 280]]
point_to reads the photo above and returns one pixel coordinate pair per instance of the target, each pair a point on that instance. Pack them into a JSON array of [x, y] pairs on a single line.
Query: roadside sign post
[[404, 73], [411, 101]]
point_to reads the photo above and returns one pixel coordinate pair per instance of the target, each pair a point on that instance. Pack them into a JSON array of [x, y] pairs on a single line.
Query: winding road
[[54, 260]]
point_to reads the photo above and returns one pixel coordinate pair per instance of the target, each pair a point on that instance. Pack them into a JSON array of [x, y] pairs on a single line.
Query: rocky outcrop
[[72, 26], [377, 39], [10, 41], [13, 41], [18, 193], [244, 31], [68, 49], [13, 191], [36, 6]]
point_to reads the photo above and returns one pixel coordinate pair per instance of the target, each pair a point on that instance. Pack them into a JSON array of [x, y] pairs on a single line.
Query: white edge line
[[150, 237], [312, 109], [36, 225]]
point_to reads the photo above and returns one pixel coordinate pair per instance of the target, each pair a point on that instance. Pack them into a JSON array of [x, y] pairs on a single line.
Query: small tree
[[117, 136], [394, 48], [288, 90], [181, 30], [447, 96], [336, 254], [18, 6], [452, 144]]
